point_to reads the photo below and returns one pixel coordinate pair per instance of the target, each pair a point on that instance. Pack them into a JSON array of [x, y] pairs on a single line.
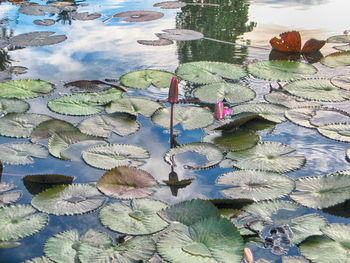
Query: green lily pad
[[342, 82], [322, 191], [13, 106], [190, 117], [337, 131], [19, 221], [213, 239], [24, 88], [138, 218], [317, 89], [301, 116], [205, 72], [270, 112], [213, 154], [36, 183], [289, 101], [280, 70], [68, 199], [267, 156], [230, 92], [338, 59], [142, 79], [113, 155], [21, 152], [295, 259], [42, 259], [255, 185]]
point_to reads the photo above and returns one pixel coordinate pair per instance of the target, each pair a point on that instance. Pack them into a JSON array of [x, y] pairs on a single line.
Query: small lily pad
[[9, 197], [140, 15], [171, 5], [142, 79], [36, 183], [21, 152], [270, 112], [159, 42], [35, 39], [337, 131], [180, 34], [44, 22], [13, 106], [338, 59], [84, 16], [24, 88]]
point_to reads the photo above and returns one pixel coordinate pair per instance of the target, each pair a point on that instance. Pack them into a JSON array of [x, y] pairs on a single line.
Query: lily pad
[[213, 239], [180, 34], [337, 131], [21, 152], [13, 106], [142, 79], [342, 81], [138, 218], [288, 100], [255, 185], [230, 92], [280, 70], [338, 59], [38, 10], [140, 15], [339, 39], [270, 112], [68, 199], [35, 39], [213, 154], [113, 155], [42, 259], [295, 259], [24, 88], [267, 156], [205, 72], [9, 197], [322, 191], [84, 16], [301, 116], [126, 182], [190, 117], [19, 221], [44, 22], [171, 5], [159, 42], [36, 183]]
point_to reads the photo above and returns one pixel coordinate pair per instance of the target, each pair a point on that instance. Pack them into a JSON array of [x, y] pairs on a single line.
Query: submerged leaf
[[21, 152], [35, 39], [142, 79], [24, 88]]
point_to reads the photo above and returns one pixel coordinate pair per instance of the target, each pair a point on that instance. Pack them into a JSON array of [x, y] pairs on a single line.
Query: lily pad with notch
[[35, 39], [21, 152], [142, 79], [36, 183], [25, 88]]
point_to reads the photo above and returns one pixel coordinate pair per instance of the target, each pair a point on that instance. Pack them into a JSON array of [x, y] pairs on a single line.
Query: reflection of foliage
[[225, 23], [4, 60], [64, 17]]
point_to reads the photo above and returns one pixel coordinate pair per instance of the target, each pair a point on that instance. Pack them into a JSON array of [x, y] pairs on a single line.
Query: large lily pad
[[338, 59], [24, 88], [230, 92], [288, 100], [270, 112], [68, 199], [205, 72], [112, 155], [35, 39], [138, 218], [323, 191], [19, 221], [142, 79], [126, 182], [36, 183], [21, 152], [13, 106], [338, 131], [255, 185]]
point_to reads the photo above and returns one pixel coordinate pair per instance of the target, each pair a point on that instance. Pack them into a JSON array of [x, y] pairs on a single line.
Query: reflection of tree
[[6, 33], [225, 22]]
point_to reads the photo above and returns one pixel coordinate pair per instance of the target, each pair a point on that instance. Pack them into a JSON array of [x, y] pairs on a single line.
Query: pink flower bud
[[248, 255], [219, 110], [227, 111], [173, 91]]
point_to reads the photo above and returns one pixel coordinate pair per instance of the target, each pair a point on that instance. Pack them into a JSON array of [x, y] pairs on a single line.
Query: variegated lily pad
[[289, 101], [270, 112], [35, 39], [338, 59], [338, 131], [142, 79], [24, 88], [21, 152], [68, 199], [13, 106]]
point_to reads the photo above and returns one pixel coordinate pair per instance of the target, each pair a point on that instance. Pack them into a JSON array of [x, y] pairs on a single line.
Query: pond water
[[107, 47]]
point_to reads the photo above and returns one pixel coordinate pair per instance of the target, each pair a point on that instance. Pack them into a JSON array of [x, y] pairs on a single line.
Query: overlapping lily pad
[[13, 106], [68, 199], [338, 59], [337, 131], [342, 81], [142, 79], [8, 197], [21, 152], [36, 183], [138, 218], [288, 100], [24, 88], [34, 39], [270, 112]]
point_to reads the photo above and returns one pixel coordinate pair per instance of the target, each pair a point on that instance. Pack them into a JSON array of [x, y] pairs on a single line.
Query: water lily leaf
[[345, 48], [317, 89], [213, 154], [6, 187], [24, 88], [142, 79], [140, 15], [112, 155], [301, 116], [21, 152], [9, 244], [159, 42], [126, 182], [288, 100], [134, 106], [267, 156], [36, 183], [91, 86], [13, 106], [44, 22], [270, 112], [280, 70], [64, 247], [338, 59], [35, 39], [255, 185], [189, 212], [42, 259], [295, 259], [230, 92], [68, 199], [180, 34], [337, 131], [171, 5], [322, 191], [138, 218], [20, 125], [102, 125], [205, 72], [19, 221], [342, 81], [9, 197], [213, 239], [190, 117], [326, 116], [38, 10], [84, 16], [339, 39]]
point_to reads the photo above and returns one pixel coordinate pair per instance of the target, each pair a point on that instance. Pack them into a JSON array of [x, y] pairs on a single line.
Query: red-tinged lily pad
[[126, 182], [139, 15]]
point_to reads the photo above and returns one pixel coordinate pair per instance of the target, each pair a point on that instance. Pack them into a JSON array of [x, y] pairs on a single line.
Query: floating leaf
[[189, 212], [325, 116], [126, 182], [36, 183], [140, 15], [13, 106], [159, 42], [21, 152], [339, 39], [301, 116], [213, 239], [35, 39], [280, 70], [338, 131], [91, 86], [19, 221], [44, 22], [6, 187], [138, 218], [288, 100], [323, 191], [171, 5], [24, 88], [180, 34], [255, 185], [112, 155], [42, 259], [213, 154], [342, 81], [205, 72], [68, 199], [230, 92], [20, 125], [9, 197], [38, 10], [338, 59], [142, 79], [84, 16], [295, 259], [267, 156], [9, 244], [190, 117], [270, 112]]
